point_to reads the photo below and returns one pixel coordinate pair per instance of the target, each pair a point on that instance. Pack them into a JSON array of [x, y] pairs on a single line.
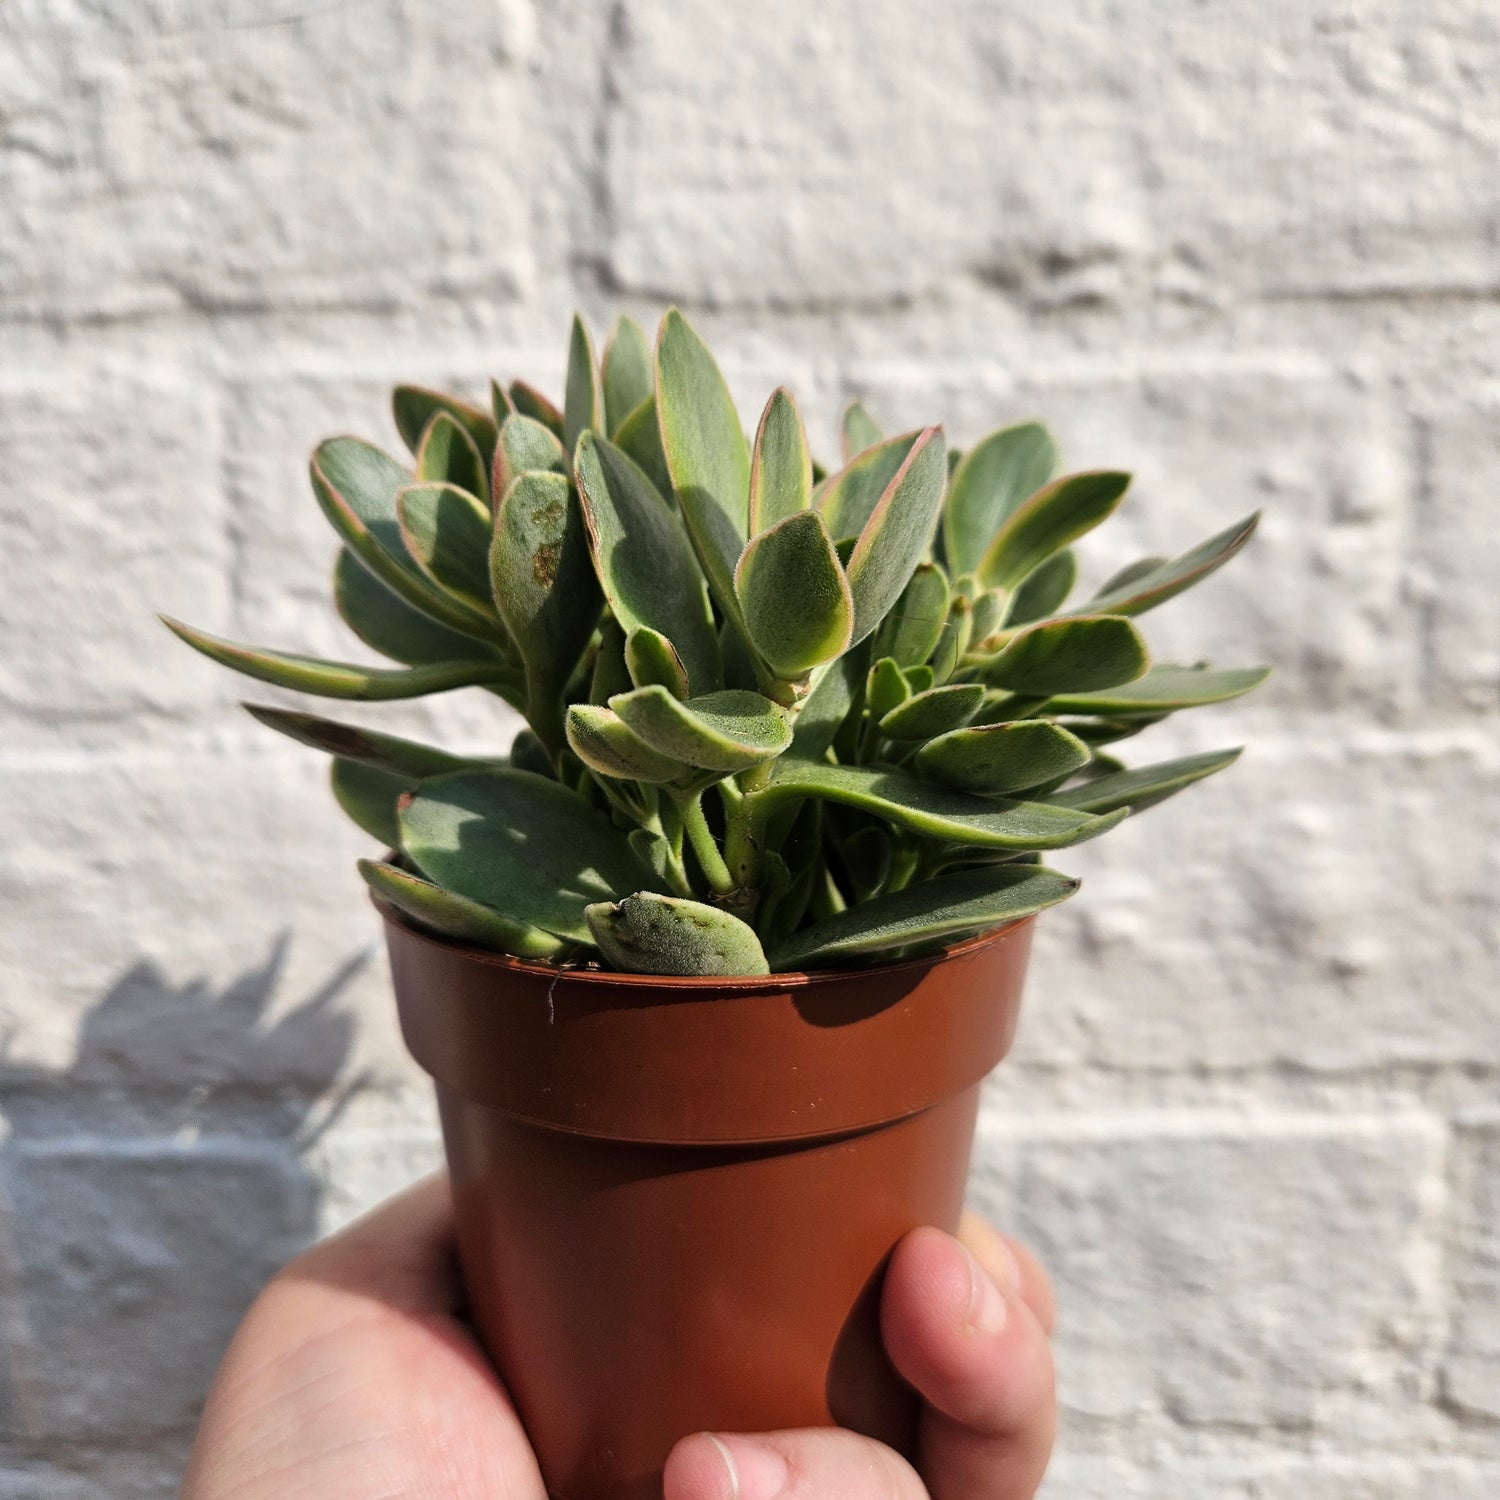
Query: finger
[[977, 1355], [823, 1463], [1011, 1264]]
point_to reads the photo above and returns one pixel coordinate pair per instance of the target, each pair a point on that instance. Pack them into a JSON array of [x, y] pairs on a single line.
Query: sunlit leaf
[[797, 605], [628, 375], [848, 499], [781, 466], [1078, 655], [388, 624], [1142, 588], [1144, 786], [726, 731], [650, 934], [935, 712], [448, 455], [1163, 689], [583, 391], [912, 629], [997, 474], [857, 430], [530, 402], [526, 445], [652, 659], [602, 740], [414, 406], [448, 532], [1003, 758], [1047, 522]]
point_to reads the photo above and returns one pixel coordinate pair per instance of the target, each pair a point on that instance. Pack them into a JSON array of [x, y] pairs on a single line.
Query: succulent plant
[[776, 717]]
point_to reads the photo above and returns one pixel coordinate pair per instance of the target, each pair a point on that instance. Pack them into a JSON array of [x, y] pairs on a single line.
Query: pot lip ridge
[[698, 984]]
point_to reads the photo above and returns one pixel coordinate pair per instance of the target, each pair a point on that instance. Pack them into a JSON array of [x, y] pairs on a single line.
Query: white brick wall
[[1251, 253]]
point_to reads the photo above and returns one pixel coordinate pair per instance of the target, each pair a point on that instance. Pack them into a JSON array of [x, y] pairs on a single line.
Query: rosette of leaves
[[778, 716]]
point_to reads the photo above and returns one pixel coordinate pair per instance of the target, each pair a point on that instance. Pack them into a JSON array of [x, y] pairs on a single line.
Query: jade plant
[[776, 717]]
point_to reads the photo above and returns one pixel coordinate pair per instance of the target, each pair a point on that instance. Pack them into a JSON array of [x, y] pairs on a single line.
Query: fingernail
[[987, 1310], [756, 1471]]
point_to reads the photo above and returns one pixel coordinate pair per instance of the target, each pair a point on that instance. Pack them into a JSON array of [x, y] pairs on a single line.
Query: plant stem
[[701, 837]]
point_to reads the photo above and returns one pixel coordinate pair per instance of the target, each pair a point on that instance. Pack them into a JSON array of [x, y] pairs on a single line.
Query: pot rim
[[700, 984]]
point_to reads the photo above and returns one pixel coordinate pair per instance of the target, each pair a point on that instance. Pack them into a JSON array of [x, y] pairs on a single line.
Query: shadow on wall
[[146, 1193]]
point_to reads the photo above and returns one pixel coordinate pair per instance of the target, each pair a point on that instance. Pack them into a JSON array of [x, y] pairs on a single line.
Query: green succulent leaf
[[334, 679], [456, 916], [386, 752], [936, 711], [526, 446], [848, 499], [857, 430], [448, 455], [1082, 654], [651, 659], [798, 610], [643, 558], [639, 436], [523, 845], [1042, 593], [357, 487], [650, 934], [654, 852], [895, 537], [887, 688], [726, 731], [946, 907], [583, 390], [602, 740], [544, 583], [610, 674], [781, 466], [1140, 588], [388, 624], [1003, 758], [1047, 522], [628, 376], [1129, 574], [530, 402], [1143, 787], [957, 817], [912, 630], [1163, 690], [827, 706], [414, 407], [369, 797], [997, 474], [500, 403], [448, 532]]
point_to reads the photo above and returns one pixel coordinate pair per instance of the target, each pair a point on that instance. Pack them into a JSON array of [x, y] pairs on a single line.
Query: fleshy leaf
[[650, 934], [530, 402], [335, 679], [1047, 522], [781, 466], [369, 797], [526, 446], [639, 436], [1143, 787], [798, 610], [413, 407], [896, 535], [1003, 758], [1163, 689], [628, 376], [1135, 593], [448, 532], [500, 403], [652, 659], [828, 705], [456, 916], [386, 752], [726, 731], [525, 846], [911, 631], [643, 559], [544, 584], [448, 455], [948, 906], [848, 499], [1078, 655], [887, 689], [583, 391], [602, 740], [935, 712], [937, 812], [997, 474], [357, 487], [857, 430], [1043, 591], [387, 623]]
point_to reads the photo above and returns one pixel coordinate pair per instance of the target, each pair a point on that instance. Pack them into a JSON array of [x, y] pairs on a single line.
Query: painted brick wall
[[1252, 253]]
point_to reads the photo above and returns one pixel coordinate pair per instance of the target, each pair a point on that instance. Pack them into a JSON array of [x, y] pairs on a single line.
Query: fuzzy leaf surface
[[527, 847], [726, 731], [936, 711], [911, 630], [937, 812], [639, 436], [526, 445], [1043, 591], [857, 430], [603, 741], [1164, 689], [583, 390], [628, 375], [828, 705], [1004, 758], [651, 934], [1137, 593], [1144, 786], [798, 609], [1047, 522], [448, 532], [643, 559], [996, 476], [848, 499], [448, 455], [530, 402], [781, 466], [456, 916], [948, 906], [1082, 654], [651, 659], [414, 406]]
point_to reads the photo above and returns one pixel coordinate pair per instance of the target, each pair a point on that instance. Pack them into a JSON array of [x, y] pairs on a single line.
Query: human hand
[[354, 1377]]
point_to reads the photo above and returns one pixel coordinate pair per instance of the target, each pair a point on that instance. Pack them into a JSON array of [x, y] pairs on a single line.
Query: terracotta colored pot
[[676, 1197]]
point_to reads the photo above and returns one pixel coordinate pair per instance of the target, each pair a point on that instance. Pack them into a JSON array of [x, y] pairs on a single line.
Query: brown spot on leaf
[[544, 564]]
